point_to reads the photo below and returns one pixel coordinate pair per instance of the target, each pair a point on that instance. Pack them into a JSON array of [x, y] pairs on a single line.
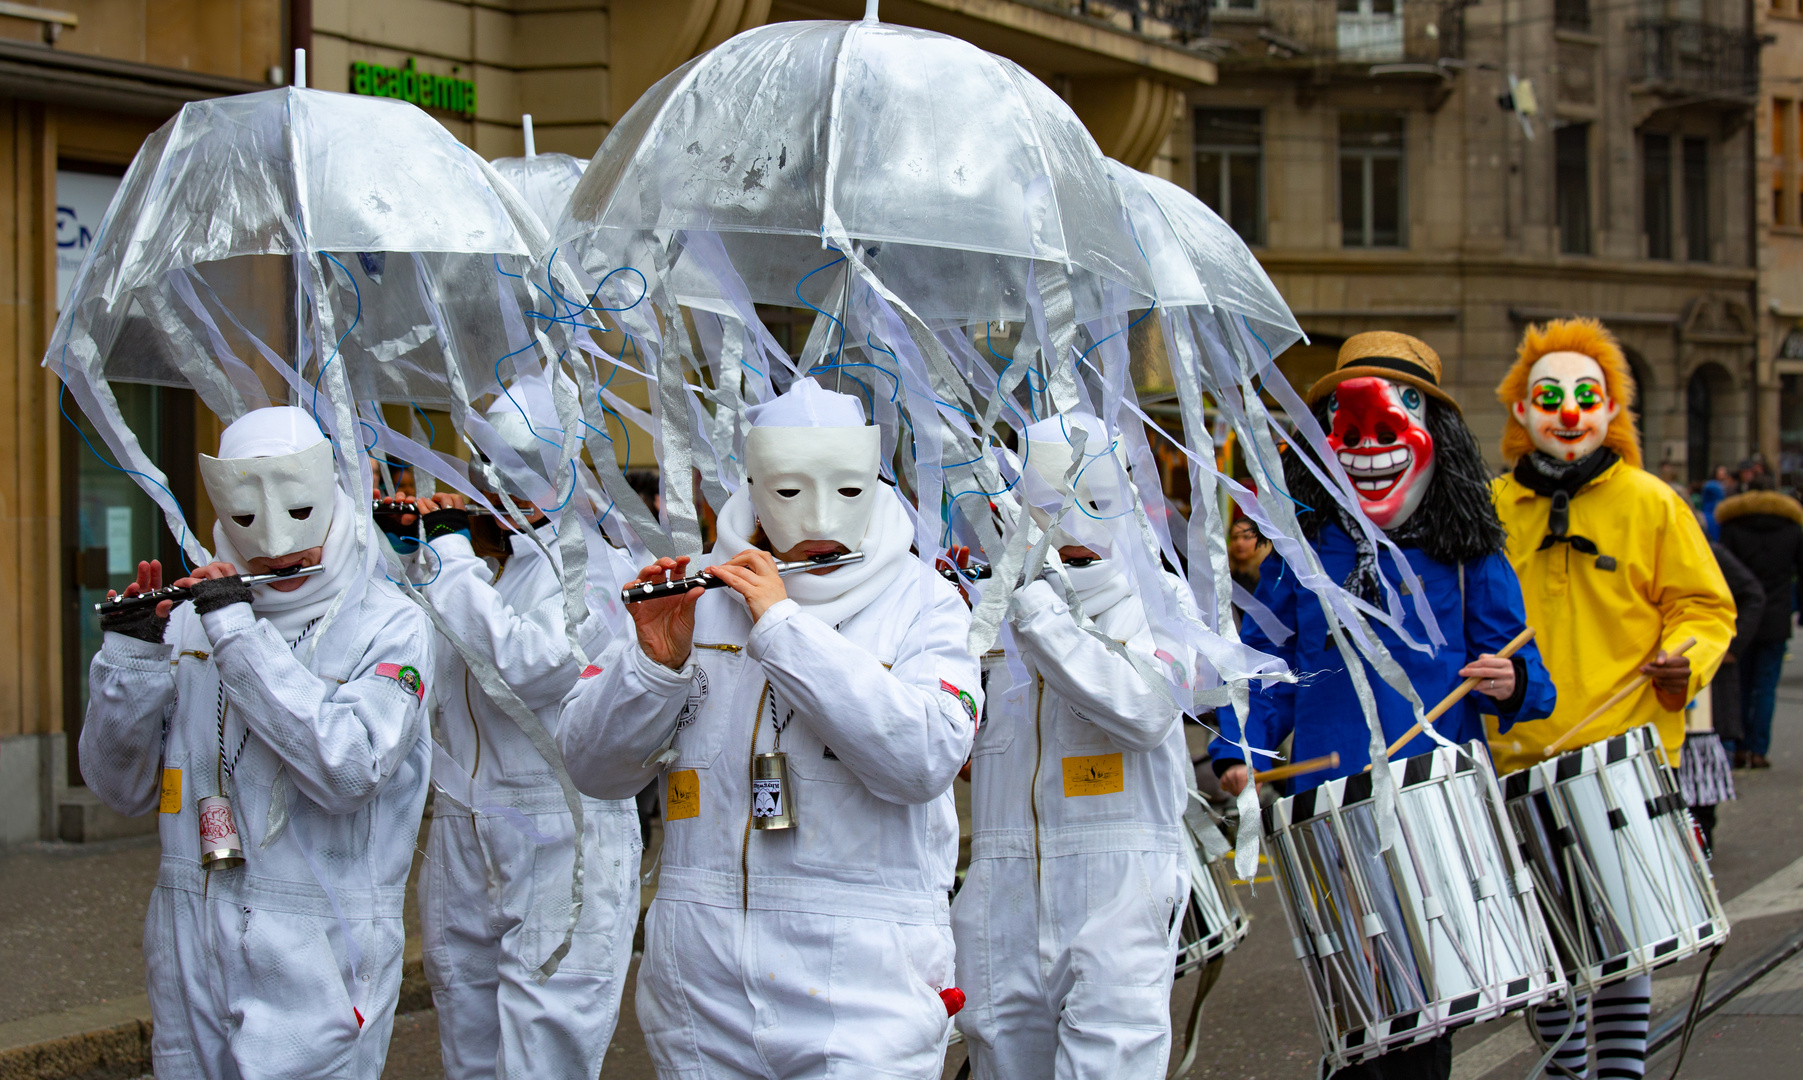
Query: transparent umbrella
[[299, 246], [544, 181]]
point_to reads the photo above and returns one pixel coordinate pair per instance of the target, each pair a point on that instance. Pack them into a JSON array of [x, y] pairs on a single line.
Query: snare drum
[[1215, 922], [1405, 945], [1621, 879]]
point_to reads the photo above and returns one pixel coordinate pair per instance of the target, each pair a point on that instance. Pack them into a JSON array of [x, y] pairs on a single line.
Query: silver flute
[[658, 590], [178, 593]]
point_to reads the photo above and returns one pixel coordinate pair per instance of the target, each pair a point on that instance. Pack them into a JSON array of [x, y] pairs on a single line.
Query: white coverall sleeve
[[903, 732], [613, 722], [131, 693], [1100, 685], [341, 742], [529, 647]]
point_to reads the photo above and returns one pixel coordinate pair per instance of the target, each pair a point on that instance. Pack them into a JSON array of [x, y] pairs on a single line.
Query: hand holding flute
[[149, 589], [662, 598]]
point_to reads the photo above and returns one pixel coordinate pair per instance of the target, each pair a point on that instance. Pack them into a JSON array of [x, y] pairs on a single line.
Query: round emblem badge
[[692, 706], [410, 681]]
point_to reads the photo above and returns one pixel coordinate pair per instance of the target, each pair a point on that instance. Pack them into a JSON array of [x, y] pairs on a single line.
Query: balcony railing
[[1684, 56], [1185, 19], [1355, 33]]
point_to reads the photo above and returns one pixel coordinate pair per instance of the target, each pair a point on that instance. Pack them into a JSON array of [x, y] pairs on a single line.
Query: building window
[[1373, 202], [1784, 143], [1230, 168], [1696, 199], [1369, 31], [1238, 7], [1571, 184], [1571, 14], [1656, 194]]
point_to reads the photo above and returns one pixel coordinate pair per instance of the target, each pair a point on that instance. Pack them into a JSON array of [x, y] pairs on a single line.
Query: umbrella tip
[[300, 69], [526, 130], [870, 11]]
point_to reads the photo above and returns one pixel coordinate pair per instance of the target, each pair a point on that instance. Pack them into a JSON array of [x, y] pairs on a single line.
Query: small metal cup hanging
[[220, 848], [772, 797]]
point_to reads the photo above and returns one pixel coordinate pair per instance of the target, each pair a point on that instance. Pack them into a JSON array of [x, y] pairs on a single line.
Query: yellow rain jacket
[[1595, 627]]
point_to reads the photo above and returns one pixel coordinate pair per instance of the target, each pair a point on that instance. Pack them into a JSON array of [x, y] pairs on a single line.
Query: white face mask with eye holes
[[1103, 491], [813, 483], [273, 506]]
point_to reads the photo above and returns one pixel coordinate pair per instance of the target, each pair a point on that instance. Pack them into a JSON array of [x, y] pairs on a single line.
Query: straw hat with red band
[[1385, 354]]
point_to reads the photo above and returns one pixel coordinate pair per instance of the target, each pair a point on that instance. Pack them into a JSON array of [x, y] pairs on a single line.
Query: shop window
[[1656, 194], [1373, 196], [1571, 182], [1230, 168], [109, 524], [1571, 14]]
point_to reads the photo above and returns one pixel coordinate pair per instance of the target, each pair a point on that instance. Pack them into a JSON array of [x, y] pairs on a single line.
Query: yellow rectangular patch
[[1098, 774], [683, 799], [171, 800]]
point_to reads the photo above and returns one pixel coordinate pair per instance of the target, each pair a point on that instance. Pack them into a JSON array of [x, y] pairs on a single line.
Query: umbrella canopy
[[954, 169], [544, 181], [1197, 259], [299, 246]]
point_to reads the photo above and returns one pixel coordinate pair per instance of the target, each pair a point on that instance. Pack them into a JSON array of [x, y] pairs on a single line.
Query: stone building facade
[[1456, 171]]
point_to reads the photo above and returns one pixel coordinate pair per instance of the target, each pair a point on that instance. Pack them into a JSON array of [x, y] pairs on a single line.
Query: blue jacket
[[1321, 708]]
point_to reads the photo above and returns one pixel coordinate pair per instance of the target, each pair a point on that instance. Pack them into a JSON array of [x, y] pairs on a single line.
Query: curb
[[81, 1045]]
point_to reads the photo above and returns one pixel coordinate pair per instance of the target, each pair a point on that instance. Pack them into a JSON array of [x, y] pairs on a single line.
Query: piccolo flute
[[178, 593], [658, 590], [983, 571], [395, 509]]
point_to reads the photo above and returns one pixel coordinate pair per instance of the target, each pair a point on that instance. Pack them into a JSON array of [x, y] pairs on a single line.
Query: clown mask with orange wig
[[1567, 395]]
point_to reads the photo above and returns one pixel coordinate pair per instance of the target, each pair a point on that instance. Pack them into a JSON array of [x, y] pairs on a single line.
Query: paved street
[[70, 945]]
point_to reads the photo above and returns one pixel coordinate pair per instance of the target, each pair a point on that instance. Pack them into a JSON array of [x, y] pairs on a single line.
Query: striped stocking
[[1621, 1013]]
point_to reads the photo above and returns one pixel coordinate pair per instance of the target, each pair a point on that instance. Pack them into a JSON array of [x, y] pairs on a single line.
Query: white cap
[[271, 432], [808, 405], [1059, 429], [523, 414]]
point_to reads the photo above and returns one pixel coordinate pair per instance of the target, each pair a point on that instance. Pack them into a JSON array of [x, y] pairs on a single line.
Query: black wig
[[1456, 521]]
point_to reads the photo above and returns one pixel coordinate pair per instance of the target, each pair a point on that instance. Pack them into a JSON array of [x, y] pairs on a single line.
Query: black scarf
[[1546, 475]]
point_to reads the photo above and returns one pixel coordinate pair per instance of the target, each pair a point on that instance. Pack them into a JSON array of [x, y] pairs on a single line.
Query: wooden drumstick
[[1284, 772], [1614, 699], [1458, 694]]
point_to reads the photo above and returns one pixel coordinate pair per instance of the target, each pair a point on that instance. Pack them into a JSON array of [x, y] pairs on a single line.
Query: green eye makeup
[[1549, 397]]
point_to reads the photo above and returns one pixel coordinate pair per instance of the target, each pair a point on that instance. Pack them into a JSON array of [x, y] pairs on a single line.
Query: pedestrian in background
[[1246, 552], [1764, 530], [1710, 497], [1704, 774]]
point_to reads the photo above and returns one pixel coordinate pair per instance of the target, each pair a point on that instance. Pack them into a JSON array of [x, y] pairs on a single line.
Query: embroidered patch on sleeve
[[590, 672], [963, 696], [407, 677]]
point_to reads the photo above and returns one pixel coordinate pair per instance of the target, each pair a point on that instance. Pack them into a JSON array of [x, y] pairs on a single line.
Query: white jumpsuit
[[493, 903], [1067, 922], [820, 950], [250, 974]]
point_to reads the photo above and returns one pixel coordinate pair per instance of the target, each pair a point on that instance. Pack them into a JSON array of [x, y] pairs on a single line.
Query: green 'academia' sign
[[421, 88]]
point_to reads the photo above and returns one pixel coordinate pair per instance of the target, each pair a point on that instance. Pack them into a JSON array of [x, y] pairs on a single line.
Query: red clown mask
[[1380, 436]]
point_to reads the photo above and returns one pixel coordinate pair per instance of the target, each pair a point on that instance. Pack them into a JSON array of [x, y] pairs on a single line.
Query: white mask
[[1102, 489], [813, 483], [274, 505]]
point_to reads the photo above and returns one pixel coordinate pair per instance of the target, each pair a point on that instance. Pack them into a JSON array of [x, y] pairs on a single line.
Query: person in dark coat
[[1764, 530], [1704, 774]]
